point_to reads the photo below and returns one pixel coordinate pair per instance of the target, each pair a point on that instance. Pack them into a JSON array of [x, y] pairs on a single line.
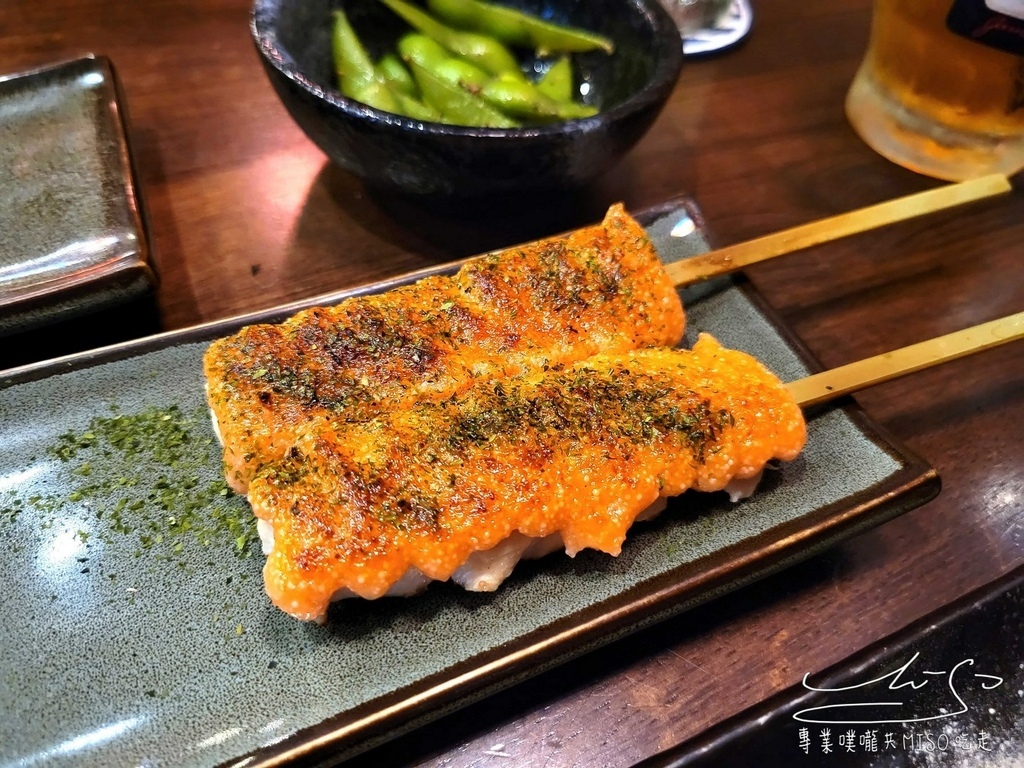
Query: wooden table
[[247, 214]]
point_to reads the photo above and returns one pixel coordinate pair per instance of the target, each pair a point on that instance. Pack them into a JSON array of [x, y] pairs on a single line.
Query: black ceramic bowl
[[430, 159]]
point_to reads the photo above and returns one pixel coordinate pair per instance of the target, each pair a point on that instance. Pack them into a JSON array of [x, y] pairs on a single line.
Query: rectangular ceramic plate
[[72, 237], [110, 654]]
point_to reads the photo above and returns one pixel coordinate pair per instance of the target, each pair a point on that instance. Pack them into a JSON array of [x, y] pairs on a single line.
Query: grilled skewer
[[600, 289], [574, 453], [568, 458]]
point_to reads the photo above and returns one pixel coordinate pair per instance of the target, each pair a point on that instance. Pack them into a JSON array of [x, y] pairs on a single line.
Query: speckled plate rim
[[131, 265], [340, 737]]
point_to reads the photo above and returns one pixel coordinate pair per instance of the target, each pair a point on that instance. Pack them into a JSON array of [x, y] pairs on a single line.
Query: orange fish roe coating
[[579, 449], [557, 301]]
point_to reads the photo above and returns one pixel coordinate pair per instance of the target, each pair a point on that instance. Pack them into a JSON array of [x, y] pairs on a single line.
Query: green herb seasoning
[[408, 473], [149, 477]]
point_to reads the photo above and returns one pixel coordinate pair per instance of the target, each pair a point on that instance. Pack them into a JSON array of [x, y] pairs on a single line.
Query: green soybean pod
[[373, 93], [557, 81], [357, 77], [351, 61], [462, 73], [517, 28], [470, 15], [524, 101], [425, 51], [432, 56], [416, 109], [570, 110], [360, 80], [455, 105], [516, 99], [396, 75], [486, 52]]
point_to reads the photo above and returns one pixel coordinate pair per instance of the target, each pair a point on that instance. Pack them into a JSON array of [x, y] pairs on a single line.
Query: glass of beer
[[941, 89]]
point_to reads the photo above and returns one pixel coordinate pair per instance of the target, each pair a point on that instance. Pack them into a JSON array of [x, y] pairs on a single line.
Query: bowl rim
[[668, 45]]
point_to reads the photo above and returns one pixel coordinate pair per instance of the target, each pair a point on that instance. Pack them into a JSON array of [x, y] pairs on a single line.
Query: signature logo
[[898, 688]]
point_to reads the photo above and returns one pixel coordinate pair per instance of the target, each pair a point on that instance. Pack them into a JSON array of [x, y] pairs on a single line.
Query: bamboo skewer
[[874, 370], [734, 257]]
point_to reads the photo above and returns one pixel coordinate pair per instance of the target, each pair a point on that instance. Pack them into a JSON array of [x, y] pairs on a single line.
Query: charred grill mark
[[374, 349], [368, 493], [284, 379], [575, 280], [483, 278], [480, 504], [411, 510], [462, 326], [371, 340], [556, 283], [585, 405]]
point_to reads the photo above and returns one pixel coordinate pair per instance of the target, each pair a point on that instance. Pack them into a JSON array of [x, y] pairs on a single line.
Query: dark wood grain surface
[[247, 214]]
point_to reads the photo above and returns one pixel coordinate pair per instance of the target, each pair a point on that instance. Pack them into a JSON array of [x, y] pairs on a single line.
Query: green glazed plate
[[135, 629]]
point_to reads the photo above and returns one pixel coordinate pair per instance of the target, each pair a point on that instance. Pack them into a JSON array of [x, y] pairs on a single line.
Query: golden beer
[[941, 103]]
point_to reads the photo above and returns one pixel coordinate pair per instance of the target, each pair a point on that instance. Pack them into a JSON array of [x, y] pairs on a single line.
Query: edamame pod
[[524, 101], [416, 109], [360, 80], [377, 94], [396, 75], [351, 61], [456, 105], [517, 28], [373, 93], [462, 73], [486, 52], [557, 81], [430, 55], [424, 50], [511, 94], [357, 78]]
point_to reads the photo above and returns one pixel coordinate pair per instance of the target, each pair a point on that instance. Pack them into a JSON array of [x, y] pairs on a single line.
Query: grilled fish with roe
[[578, 451], [599, 289]]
